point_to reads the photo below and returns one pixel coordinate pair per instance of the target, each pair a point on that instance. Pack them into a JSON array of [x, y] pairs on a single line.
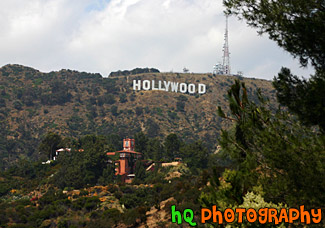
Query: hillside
[[74, 104]]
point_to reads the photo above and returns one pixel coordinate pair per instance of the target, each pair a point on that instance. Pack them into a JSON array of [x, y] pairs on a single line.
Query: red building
[[127, 157]]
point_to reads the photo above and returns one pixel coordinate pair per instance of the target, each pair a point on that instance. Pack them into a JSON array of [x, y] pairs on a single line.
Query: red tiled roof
[[124, 151]]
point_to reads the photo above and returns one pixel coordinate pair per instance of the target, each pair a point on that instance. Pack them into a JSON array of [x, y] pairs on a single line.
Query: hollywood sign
[[169, 86]]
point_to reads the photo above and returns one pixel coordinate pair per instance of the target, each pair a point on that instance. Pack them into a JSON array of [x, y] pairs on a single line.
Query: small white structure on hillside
[[57, 152]]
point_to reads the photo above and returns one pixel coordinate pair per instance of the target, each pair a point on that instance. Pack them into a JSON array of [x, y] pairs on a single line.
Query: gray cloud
[[104, 36]]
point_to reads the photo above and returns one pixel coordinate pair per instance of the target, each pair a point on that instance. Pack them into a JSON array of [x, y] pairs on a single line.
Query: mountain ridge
[[73, 104]]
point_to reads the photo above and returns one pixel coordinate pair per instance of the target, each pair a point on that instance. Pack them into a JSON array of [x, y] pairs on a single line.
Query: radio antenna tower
[[226, 58]]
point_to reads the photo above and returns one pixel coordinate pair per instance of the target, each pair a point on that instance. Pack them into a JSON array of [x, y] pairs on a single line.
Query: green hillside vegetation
[[270, 157], [80, 189], [42, 112], [74, 104], [278, 158], [267, 160]]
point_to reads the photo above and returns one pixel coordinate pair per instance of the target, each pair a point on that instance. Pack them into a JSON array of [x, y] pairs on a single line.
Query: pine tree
[[299, 28], [274, 155]]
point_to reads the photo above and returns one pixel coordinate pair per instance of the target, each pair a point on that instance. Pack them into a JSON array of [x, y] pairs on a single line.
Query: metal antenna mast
[[226, 58]]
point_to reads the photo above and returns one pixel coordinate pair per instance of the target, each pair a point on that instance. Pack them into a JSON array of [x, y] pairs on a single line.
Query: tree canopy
[[274, 157], [299, 28], [49, 144]]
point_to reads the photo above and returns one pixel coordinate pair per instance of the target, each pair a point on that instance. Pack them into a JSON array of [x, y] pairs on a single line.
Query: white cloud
[[103, 36]]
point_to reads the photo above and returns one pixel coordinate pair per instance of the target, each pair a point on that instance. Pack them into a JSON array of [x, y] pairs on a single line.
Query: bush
[[138, 110], [123, 98], [109, 99], [180, 105], [114, 110], [4, 189], [172, 115], [112, 214], [182, 98], [18, 105], [91, 203], [2, 103]]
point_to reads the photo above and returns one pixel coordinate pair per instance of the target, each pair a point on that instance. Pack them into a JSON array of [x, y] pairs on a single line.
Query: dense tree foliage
[[172, 144], [75, 104], [195, 155], [134, 71], [65, 193], [141, 142], [49, 144], [85, 164], [273, 155], [155, 149], [299, 28], [303, 97]]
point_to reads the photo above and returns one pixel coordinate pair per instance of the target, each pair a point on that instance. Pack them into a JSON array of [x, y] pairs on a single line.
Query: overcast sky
[[108, 35]]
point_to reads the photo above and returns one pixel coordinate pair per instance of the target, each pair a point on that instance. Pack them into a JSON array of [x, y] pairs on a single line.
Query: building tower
[[226, 58], [125, 165]]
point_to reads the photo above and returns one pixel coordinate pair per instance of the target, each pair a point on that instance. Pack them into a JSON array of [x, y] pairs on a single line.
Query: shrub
[[114, 110], [180, 105], [123, 98], [17, 105], [138, 110], [2, 103]]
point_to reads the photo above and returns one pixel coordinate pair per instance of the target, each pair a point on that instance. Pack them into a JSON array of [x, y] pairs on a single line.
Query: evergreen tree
[[140, 171], [172, 145], [49, 144], [195, 155], [82, 168], [271, 152], [108, 175], [298, 27], [155, 149], [304, 97], [141, 142]]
